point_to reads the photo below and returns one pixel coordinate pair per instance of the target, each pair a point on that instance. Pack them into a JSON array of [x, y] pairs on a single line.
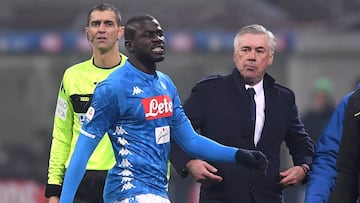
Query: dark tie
[[251, 93]]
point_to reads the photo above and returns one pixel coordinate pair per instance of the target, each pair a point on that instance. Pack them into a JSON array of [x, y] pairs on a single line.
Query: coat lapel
[[271, 96], [244, 103]]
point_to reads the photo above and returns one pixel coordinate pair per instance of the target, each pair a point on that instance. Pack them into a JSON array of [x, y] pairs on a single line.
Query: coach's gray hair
[[255, 29]]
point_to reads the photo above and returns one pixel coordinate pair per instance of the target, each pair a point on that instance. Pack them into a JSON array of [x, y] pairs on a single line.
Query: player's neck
[[148, 67]]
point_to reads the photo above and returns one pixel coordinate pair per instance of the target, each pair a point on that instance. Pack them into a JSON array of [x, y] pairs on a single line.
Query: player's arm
[[85, 145], [207, 149], [204, 148], [193, 108]]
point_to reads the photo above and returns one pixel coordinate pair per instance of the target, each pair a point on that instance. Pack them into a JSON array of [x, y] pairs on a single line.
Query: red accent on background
[[17, 191]]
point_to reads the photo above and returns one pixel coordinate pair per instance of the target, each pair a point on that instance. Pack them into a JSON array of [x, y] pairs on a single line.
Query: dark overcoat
[[219, 108]]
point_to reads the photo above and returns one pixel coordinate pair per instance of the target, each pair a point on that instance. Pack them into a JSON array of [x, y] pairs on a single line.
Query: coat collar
[[240, 82]]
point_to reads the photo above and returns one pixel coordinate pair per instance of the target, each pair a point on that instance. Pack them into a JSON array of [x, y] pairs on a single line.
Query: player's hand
[[53, 199], [252, 159], [202, 171]]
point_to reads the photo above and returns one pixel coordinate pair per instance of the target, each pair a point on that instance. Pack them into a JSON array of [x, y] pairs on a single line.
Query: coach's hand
[[252, 159], [202, 171]]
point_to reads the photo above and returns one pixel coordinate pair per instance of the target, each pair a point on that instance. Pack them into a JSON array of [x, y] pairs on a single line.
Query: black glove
[[252, 159]]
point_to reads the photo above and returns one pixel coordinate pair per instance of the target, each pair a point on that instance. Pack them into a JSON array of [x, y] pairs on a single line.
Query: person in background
[[222, 108], [321, 180], [322, 106], [140, 108], [103, 32], [347, 188]]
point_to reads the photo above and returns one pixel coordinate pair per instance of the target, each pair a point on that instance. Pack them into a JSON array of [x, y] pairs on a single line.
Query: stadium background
[[40, 38]]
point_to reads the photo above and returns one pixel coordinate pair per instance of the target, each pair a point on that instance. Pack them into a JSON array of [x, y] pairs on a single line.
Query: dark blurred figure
[[321, 108], [323, 172], [347, 187]]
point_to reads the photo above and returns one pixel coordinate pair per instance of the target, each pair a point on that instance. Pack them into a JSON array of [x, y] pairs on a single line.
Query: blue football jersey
[[138, 111]]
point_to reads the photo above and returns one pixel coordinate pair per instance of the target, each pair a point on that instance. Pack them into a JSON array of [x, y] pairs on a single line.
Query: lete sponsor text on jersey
[[157, 107]]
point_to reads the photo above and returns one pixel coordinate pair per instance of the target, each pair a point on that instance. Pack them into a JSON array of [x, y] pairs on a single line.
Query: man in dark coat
[[221, 109]]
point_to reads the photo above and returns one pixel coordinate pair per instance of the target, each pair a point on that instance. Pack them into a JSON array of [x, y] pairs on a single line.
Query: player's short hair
[[133, 23]]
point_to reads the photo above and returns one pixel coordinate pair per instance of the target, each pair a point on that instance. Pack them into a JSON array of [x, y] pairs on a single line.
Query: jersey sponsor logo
[[162, 134], [90, 113], [122, 141], [125, 163], [127, 173], [119, 130], [61, 108], [124, 152], [137, 90], [127, 186], [157, 107], [126, 179]]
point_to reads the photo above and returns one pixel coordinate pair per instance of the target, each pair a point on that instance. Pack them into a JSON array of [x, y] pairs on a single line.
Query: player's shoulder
[[161, 74], [210, 78]]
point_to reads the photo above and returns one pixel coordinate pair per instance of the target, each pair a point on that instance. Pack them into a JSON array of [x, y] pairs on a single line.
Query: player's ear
[[129, 45]]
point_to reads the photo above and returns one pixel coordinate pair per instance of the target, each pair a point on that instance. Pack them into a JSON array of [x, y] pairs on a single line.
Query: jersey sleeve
[[192, 107], [76, 170], [200, 146], [189, 140], [61, 140]]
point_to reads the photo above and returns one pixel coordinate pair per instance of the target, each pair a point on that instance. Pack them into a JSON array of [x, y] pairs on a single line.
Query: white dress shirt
[[260, 109]]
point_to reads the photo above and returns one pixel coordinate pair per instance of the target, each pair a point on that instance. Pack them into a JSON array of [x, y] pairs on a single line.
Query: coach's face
[[252, 57]]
